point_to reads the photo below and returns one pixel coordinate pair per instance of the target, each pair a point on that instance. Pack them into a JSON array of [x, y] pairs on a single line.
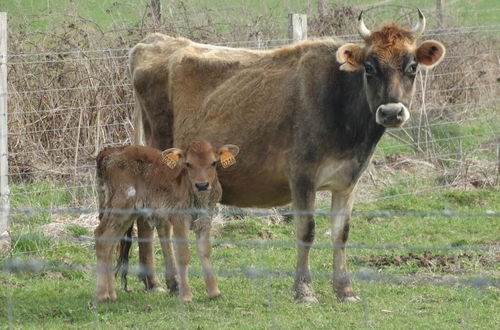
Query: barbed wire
[[84, 147], [254, 212], [67, 109], [430, 32]]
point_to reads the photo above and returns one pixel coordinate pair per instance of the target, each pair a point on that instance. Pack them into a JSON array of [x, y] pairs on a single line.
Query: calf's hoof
[[156, 289], [106, 298], [214, 295], [187, 299], [173, 287]]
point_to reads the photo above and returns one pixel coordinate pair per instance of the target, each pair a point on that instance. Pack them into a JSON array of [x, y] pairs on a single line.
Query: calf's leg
[[146, 258], [180, 224], [202, 229], [110, 230], [165, 234]]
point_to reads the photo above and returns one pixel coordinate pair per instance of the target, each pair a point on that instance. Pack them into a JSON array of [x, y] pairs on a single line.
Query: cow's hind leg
[[341, 213], [165, 234], [202, 229], [147, 271], [303, 204]]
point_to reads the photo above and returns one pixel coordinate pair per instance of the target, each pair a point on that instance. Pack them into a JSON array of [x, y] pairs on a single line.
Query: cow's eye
[[412, 68], [369, 68], [188, 165], [214, 163]]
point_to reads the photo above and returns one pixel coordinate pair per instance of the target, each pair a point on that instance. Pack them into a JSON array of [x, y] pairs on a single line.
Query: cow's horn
[[420, 27], [362, 29]]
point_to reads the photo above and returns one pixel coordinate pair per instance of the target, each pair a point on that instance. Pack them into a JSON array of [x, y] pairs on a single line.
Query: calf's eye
[[188, 165], [214, 163]]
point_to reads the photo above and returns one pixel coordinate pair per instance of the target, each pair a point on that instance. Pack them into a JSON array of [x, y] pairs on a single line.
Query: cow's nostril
[[201, 186], [401, 112]]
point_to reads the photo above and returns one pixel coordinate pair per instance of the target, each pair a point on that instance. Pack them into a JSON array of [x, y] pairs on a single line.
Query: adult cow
[[307, 117]]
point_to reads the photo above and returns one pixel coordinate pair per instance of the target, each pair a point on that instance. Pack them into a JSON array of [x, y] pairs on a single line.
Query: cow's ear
[[172, 156], [350, 56], [430, 53], [227, 154]]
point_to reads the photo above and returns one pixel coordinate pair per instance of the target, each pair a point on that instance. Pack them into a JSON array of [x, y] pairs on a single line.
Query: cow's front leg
[[202, 229], [303, 195], [341, 214]]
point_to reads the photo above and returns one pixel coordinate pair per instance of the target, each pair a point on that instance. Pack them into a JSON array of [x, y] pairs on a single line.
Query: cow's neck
[[350, 124]]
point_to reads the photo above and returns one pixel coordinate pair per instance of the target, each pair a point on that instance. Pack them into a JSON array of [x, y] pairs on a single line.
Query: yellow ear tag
[[227, 159], [170, 159]]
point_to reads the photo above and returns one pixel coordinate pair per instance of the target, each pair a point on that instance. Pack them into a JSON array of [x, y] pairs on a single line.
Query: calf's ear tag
[[170, 159], [227, 159]]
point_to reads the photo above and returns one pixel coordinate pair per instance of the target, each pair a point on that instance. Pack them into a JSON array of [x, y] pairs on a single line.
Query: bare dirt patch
[[58, 227], [429, 260]]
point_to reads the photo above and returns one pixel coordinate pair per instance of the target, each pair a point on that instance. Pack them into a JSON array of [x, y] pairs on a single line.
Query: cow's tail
[[139, 137], [123, 258]]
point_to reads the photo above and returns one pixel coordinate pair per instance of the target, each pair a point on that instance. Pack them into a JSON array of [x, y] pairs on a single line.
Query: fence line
[[364, 274]]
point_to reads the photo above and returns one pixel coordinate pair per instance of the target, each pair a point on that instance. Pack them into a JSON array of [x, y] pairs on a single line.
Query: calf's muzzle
[[202, 186]]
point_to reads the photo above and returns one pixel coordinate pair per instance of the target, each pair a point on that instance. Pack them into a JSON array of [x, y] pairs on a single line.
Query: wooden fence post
[[297, 27], [439, 10], [4, 168]]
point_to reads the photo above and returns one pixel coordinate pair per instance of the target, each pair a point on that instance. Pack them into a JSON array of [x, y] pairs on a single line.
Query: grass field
[[109, 13], [399, 282]]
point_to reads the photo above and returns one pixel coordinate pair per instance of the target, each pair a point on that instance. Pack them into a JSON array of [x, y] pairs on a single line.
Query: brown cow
[[135, 177], [308, 117]]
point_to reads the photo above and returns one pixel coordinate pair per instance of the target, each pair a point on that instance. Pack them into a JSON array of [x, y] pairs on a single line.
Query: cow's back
[[221, 94]]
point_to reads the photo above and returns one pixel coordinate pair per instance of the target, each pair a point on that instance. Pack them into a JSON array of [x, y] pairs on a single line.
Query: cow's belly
[[260, 190]]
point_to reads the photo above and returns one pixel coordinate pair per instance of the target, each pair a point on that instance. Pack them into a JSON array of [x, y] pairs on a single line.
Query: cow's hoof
[[304, 293], [349, 297], [310, 299], [187, 299]]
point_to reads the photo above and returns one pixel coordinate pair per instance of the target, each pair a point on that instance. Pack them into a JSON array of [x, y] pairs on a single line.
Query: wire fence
[[66, 104]]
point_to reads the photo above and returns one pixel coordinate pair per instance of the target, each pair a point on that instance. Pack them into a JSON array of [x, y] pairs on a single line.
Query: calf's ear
[[227, 154], [350, 56], [172, 156], [430, 53]]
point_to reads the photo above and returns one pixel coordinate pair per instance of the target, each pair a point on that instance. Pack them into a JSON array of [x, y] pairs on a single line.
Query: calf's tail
[[123, 258]]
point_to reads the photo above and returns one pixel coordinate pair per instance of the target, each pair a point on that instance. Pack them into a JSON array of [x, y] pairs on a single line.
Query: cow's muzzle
[[392, 114]]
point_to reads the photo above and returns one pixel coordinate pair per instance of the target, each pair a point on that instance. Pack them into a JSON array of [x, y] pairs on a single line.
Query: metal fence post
[[4, 168], [297, 27]]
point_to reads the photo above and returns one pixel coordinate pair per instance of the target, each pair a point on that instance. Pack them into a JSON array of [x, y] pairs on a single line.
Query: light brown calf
[[131, 178]]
